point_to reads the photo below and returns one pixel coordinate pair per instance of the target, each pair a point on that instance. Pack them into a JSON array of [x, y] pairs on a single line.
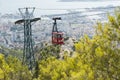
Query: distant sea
[[78, 4]]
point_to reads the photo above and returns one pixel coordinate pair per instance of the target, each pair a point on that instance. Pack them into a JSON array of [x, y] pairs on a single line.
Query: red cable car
[[57, 37]]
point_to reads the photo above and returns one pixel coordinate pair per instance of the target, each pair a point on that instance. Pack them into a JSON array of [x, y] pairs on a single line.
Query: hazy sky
[[10, 6]]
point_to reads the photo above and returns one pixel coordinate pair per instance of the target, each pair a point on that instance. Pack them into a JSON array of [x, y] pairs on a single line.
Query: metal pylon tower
[[28, 54]]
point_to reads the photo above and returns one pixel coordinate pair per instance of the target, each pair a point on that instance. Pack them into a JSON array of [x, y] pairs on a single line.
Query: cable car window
[[59, 36]]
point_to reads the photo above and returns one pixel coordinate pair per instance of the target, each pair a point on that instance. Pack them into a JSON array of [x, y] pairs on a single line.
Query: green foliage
[[103, 51], [67, 69], [12, 69], [47, 51]]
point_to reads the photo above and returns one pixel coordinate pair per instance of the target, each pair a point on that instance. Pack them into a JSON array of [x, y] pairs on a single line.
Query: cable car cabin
[[57, 38]]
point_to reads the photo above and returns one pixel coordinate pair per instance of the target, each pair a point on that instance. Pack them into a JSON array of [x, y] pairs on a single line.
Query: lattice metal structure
[[28, 54]]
